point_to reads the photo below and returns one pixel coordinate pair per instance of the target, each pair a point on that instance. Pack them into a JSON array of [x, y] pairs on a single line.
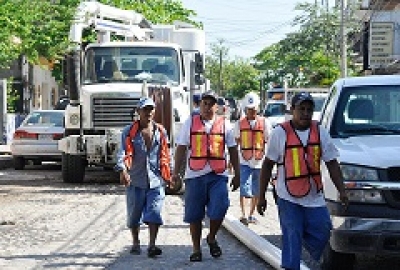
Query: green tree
[[39, 28], [310, 56], [230, 77]]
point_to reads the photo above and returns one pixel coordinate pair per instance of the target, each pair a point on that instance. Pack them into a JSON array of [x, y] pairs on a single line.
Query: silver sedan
[[36, 138]]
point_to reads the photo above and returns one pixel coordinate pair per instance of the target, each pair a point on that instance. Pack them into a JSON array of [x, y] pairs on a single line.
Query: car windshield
[[367, 110], [274, 109], [131, 64], [54, 119]]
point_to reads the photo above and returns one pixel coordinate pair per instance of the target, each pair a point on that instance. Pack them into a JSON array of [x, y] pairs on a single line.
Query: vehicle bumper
[[365, 235], [44, 151], [97, 148]]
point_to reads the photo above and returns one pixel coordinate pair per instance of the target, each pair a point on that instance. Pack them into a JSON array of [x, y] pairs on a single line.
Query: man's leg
[[135, 235], [195, 233], [153, 232]]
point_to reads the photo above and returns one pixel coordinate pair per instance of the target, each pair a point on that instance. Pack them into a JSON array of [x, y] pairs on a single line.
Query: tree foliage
[[230, 77], [308, 56], [39, 29]]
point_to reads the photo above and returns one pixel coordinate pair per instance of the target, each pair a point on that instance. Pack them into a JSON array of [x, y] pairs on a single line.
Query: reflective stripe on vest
[[207, 148], [301, 162], [165, 158], [252, 139]]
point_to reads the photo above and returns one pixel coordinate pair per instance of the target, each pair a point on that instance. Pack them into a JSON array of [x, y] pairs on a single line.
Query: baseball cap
[[143, 102], [300, 97], [251, 100], [210, 94]]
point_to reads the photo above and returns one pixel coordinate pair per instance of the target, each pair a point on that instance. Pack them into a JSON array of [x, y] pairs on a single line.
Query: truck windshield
[[366, 110], [131, 64]]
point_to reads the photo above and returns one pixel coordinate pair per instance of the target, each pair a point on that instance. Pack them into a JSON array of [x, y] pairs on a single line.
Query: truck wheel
[[73, 168], [19, 163], [333, 260]]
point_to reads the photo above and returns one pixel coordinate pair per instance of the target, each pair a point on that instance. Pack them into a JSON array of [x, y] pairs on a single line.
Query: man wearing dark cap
[[202, 142], [144, 166], [298, 147]]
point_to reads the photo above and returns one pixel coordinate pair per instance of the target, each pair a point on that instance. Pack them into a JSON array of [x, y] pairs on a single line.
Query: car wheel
[[333, 260], [19, 163]]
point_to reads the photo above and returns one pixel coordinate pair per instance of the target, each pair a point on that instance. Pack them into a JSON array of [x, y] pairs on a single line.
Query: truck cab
[[362, 115]]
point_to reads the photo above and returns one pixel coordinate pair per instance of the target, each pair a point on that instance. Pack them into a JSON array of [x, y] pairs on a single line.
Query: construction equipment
[[105, 80]]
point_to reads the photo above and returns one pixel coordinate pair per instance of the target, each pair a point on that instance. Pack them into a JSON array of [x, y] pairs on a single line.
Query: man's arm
[[337, 179], [179, 158], [234, 159], [265, 177]]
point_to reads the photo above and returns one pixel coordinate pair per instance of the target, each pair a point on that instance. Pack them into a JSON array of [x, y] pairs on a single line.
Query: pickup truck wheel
[[19, 163], [333, 260], [73, 168]]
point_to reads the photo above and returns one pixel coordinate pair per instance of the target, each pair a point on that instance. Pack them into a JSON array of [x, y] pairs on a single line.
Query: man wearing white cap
[[144, 166], [251, 133]]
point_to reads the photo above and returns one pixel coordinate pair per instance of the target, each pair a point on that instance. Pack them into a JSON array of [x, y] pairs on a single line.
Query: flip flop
[[196, 256], [215, 249]]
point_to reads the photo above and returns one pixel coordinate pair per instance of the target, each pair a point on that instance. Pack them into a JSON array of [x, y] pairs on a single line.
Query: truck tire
[[333, 260], [73, 168], [19, 163]]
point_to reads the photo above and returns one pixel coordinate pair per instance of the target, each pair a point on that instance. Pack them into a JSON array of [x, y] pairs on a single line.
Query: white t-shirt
[[275, 152], [184, 139], [252, 163]]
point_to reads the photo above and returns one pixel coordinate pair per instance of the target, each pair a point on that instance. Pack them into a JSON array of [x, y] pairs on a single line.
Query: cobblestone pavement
[[47, 224]]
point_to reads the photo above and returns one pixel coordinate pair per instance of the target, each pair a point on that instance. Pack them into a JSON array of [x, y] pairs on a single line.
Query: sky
[[246, 26]]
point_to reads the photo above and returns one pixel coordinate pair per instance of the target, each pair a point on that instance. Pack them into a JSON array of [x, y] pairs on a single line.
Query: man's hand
[[235, 183], [124, 178], [175, 178], [262, 205]]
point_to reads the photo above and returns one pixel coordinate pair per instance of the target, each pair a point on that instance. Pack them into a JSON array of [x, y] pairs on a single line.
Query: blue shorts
[[302, 226], [249, 181], [209, 192], [144, 205]]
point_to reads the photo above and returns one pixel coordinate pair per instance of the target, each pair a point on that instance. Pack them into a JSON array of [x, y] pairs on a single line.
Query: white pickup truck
[[362, 115]]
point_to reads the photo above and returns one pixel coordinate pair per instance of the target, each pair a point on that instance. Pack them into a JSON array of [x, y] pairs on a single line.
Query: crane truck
[[106, 79]]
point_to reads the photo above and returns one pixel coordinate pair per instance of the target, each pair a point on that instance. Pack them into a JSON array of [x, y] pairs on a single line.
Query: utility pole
[[343, 38], [220, 71]]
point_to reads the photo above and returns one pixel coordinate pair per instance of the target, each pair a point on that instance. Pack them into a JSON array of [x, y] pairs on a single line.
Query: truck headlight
[[354, 176], [358, 173], [74, 119]]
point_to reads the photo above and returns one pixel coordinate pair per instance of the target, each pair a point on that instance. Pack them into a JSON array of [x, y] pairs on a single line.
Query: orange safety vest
[[165, 158], [252, 139], [301, 162], [207, 148]]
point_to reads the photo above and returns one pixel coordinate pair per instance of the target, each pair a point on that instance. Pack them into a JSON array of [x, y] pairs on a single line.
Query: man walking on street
[[203, 139], [251, 133], [144, 166], [298, 147]]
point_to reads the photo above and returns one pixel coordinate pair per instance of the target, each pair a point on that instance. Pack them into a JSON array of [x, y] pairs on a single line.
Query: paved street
[[47, 224]]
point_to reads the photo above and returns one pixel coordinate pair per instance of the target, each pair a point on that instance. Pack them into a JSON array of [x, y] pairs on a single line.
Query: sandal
[[135, 250], [244, 221], [215, 249], [153, 251], [196, 256]]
